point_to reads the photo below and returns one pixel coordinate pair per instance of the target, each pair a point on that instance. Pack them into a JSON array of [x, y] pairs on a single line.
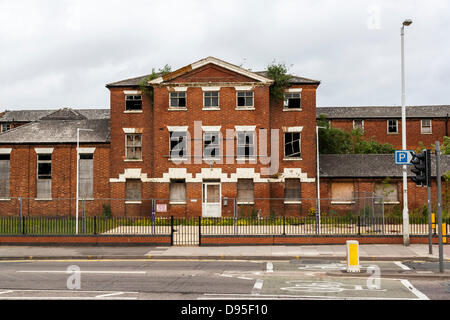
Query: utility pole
[[439, 204]]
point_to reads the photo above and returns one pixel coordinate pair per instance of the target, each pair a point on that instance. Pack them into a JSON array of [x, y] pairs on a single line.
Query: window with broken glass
[[177, 99], [211, 145], [4, 176], [358, 124], [133, 146], [292, 101], [133, 102], [245, 144], [244, 99], [177, 145], [211, 99], [44, 176], [6, 127], [292, 145]]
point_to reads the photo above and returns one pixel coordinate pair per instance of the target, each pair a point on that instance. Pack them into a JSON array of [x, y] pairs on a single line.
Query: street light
[[78, 175], [318, 172], [405, 186]]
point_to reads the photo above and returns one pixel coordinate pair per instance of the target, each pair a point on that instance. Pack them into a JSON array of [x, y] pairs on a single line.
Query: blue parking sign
[[403, 156]]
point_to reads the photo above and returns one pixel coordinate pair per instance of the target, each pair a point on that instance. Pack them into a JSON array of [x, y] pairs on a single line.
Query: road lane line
[[416, 292], [109, 294], [7, 291], [401, 265], [91, 272], [257, 287]]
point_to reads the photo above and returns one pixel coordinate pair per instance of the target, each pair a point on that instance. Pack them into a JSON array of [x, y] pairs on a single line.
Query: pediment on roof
[[64, 114], [211, 70]]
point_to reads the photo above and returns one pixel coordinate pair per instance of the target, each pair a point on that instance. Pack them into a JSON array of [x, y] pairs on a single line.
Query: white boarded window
[[86, 177], [133, 148], [178, 191], [4, 175], [44, 176], [292, 189], [342, 191], [133, 189], [245, 191], [388, 191], [425, 126]]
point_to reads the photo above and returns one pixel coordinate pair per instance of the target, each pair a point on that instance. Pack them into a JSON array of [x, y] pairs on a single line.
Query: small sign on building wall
[[161, 207]]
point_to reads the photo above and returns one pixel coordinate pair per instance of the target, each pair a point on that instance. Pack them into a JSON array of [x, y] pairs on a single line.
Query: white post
[[405, 181], [318, 173]]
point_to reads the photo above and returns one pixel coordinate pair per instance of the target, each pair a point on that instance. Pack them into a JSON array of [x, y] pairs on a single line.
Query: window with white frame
[[86, 176], [133, 102], [133, 148], [177, 100], [44, 176], [425, 126], [177, 191], [4, 175], [178, 144], [292, 145], [211, 99], [245, 191], [245, 144], [133, 189], [211, 144], [358, 124], [292, 100], [392, 126], [292, 190], [245, 99]]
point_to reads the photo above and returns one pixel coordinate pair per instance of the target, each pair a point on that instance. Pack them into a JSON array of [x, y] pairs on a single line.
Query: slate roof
[[369, 166], [34, 115], [58, 131], [438, 111]]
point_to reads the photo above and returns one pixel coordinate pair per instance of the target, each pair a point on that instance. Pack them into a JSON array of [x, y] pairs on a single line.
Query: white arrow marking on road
[[401, 265], [258, 286], [269, 267]]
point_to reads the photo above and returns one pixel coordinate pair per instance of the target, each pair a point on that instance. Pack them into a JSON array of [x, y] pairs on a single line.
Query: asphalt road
[[208, 280]]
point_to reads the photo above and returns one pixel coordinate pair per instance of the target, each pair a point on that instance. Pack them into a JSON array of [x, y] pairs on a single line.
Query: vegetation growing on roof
[[143, 84], [278, 73]]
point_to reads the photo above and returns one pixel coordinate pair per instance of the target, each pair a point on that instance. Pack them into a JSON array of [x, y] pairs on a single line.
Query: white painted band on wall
[[86, 150], [293, 90], [211, 88], [245, 128], [243, 88], [177, 128], [211, 128], [5, 150], [132, 92], [292, 129], [181, 89]]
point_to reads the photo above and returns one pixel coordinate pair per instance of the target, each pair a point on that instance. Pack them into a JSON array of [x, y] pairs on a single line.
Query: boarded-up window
[[4, 175], [133, 146], [342, 191], [387, 191], [177, 191], [44, 176], [292, 190], [133, 189], [86, 178], [245, 191]]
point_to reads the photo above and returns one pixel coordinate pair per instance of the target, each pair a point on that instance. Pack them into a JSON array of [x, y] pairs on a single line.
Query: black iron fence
[[189, 231]]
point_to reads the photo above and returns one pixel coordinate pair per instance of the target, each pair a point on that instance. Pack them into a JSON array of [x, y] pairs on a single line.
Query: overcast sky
[[61, 53]]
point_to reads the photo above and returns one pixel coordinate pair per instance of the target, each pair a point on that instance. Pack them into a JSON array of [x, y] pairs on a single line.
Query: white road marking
[[74, 295], [401, 265], [416, 292], [245, 278], [257, 287], [109, 294], [237, 296], [7, 291], [269, 267]]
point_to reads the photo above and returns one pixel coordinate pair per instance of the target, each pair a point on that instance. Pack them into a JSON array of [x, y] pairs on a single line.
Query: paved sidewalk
[[333, 252]]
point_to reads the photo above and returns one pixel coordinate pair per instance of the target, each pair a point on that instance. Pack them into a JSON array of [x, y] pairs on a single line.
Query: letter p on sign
[[353, 256]]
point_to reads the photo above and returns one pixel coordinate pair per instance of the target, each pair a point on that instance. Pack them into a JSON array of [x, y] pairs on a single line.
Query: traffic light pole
[[439, 198], [430, 231]]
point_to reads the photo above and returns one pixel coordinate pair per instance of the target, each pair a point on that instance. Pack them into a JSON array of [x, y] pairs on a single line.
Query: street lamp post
[[405, 185], [78, 175], [318, 172]]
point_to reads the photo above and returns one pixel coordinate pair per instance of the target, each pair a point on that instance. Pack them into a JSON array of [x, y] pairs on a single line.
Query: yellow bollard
[[433, 222], [444, 233], [353, 256]]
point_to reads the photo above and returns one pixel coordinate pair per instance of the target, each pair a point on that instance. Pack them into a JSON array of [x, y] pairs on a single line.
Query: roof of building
[[58, 131], [437, 111], [34, 115], [294, 79], [369, 166]]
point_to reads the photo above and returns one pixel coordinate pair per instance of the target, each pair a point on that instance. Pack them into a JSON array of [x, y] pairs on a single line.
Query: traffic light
[[422, 168]]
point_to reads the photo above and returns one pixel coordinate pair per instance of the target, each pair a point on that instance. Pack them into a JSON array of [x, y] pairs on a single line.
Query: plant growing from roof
[[143, 84], [278, 73]]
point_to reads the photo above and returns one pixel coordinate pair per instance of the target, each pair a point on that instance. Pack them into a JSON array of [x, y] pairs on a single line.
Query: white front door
[[211, 200]]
